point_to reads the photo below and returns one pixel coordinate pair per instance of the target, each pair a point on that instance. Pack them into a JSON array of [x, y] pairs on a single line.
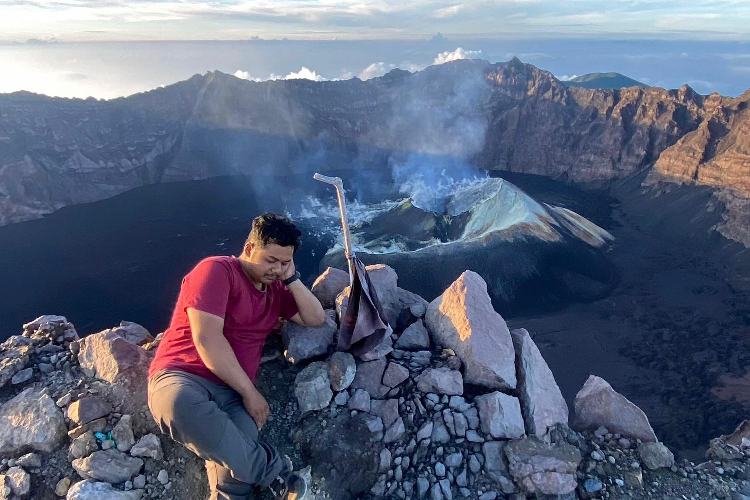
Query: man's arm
[[310, 311], [218, 356]]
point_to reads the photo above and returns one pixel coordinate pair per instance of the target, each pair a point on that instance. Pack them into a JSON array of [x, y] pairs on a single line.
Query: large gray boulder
[[495, 466], [87, 409], [542, 403], [360, 400], [123, 433], [386, 409], [655, 456], [83, 446], [313, 388], [381, 350], [110, 466], [404, 307], [30, 421], [414, 338], [302, 342], [133, 333], [22, 376], [441, 381], [463, 319], [109, 356], [19, 482], [370, 376], [500, 415], [14, 355], [598, 404], [395, 374], [329, 285], [542, 467], [148, 446], [395, 432], [93, 490], [341, 370]]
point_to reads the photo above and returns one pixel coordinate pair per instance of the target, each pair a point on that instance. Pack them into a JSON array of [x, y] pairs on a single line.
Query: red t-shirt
[[219, 286]]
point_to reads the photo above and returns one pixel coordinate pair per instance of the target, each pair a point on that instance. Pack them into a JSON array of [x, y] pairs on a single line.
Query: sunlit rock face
[[532, 255]]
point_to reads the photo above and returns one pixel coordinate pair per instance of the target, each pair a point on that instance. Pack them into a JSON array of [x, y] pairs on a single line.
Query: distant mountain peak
[[609, 80]]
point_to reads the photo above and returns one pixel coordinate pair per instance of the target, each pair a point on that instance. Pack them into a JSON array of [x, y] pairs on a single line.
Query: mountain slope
[[603, 81], [511, 116]]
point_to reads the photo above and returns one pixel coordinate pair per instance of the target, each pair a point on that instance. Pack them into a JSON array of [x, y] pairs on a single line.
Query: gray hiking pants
[[211, 421]]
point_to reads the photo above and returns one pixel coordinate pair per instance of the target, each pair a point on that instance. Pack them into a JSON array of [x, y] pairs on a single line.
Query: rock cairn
[[74, 422], [453, 405]]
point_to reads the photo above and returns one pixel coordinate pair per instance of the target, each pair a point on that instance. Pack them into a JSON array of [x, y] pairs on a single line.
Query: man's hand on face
[[257, 406], [290, 270]]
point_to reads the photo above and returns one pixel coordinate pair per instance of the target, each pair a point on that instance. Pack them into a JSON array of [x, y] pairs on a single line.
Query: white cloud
[[345, 75], [411, 67], [447, 12], [246, 76], [376, 69], [456, 55], [734, 57], [305, 74], [690, 22], [565, 78]]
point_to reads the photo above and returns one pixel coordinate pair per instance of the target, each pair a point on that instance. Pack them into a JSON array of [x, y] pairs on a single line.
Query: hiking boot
[[288, 485]]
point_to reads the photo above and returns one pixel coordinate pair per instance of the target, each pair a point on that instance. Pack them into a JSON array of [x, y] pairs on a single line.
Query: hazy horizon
[[114, 69]]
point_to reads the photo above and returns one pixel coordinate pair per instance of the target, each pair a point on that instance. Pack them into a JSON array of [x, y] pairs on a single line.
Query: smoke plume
[[437, 134]]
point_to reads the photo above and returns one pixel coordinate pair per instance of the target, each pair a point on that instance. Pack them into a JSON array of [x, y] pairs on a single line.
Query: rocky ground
[[452, 405]]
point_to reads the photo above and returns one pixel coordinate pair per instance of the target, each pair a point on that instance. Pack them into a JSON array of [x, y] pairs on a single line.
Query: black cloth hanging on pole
[[363, 325]]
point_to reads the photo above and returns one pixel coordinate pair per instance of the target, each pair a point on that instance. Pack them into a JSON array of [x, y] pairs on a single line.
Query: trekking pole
[[339, 185]]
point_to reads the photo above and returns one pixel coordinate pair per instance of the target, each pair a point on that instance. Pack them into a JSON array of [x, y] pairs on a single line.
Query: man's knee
[[176, 406]]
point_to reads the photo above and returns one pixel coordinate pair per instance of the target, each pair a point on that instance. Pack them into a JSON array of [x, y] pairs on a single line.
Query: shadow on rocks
[[343, 451]]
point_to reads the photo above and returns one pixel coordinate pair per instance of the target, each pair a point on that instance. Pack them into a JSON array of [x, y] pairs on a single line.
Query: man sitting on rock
[[201, 382]]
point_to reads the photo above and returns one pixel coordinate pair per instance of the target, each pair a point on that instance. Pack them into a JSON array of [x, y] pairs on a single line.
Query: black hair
[[274, 228]]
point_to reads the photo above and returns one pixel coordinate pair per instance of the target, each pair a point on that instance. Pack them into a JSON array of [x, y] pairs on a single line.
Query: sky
[[111, 48], [125, 20]]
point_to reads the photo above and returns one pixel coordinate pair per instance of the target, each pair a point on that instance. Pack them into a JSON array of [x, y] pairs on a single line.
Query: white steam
[[436, 139]]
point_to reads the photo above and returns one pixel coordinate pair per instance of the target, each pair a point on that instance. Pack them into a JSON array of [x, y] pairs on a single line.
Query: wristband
[[292, 279]]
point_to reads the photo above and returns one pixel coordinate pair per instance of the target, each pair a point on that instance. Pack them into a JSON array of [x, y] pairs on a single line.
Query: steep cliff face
[[58, 152], [512, 116], [588, 135], [717, 152]]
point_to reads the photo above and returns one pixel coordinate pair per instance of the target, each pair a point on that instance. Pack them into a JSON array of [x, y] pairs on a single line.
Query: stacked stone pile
[[453, 405], [457, 406], [73, 423]]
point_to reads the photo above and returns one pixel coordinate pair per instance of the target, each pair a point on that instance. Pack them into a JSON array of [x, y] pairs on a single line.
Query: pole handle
[[336, 181]]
